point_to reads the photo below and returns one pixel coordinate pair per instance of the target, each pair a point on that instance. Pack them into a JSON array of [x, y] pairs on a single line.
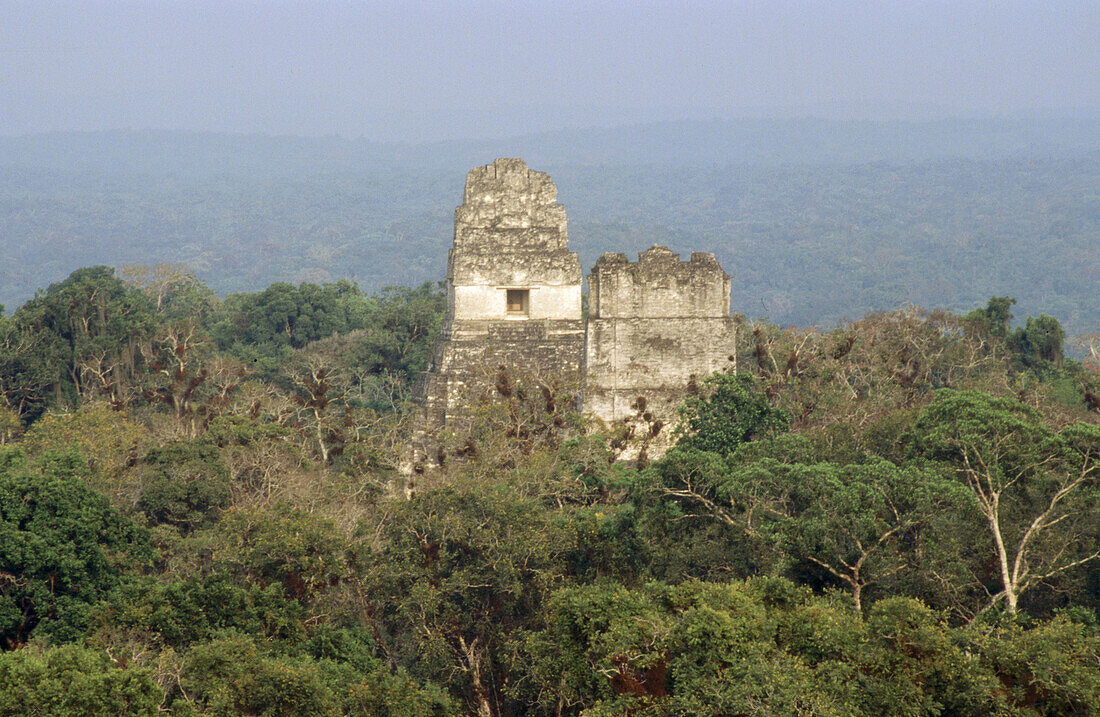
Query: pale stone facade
[[654, 326], [510, 242], [514, 301]]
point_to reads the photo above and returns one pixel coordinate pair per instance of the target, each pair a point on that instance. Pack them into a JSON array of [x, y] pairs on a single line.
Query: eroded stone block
[[657, 326]]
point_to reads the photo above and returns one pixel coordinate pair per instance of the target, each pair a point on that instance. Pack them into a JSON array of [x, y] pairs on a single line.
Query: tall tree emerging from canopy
[[994, 319], [1037, 489], [1040, 341], [81, 335], [855, 522]]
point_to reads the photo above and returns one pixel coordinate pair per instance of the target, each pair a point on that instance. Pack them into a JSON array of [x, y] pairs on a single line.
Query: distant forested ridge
[[817, 221]]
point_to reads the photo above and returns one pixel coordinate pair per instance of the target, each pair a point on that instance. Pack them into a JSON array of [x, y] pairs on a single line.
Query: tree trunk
[[1007, 583], [473, 667]]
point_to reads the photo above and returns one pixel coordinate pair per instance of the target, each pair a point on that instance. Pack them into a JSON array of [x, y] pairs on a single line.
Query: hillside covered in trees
[[200, 514], [818, 222]]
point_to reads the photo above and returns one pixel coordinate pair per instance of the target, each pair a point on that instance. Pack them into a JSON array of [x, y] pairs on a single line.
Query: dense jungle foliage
[[200, 513]]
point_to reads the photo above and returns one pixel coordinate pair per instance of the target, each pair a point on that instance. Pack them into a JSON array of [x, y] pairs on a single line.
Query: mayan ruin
[[513, 289], [655, 326]]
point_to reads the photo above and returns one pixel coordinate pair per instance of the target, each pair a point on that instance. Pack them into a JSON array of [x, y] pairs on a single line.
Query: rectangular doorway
[[519, 302]]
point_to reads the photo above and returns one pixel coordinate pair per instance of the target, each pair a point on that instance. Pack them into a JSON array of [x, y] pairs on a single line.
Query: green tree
[[910, 662], [183, 484], [62, 548], [716, 514], [1049, 669], [72, 680], [854, 521], [192, 609], [400, 329], [287, 546], [457, 576], [390, 344], [292, 316], [995, 318], [30, 362], [732, 411], [106, 439], [231, 676], [696, 648], [89, 329], [234, 675], [1040, 342], [1036, 489]]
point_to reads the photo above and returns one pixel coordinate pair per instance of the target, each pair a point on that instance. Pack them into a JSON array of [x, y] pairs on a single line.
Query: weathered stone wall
[[658, 285], [653, 326], [467, 365], [510, 233], [507, 205]]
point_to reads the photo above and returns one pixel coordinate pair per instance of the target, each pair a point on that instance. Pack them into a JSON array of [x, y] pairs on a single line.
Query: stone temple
[[655, 326]]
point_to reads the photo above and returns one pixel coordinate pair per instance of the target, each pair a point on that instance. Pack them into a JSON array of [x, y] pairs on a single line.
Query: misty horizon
[[400, 72], [512, 122]]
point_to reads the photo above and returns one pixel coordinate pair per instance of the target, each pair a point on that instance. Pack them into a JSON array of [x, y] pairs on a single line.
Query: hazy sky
[[431, 70]]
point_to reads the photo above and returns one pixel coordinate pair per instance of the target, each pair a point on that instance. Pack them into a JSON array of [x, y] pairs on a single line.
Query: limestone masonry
[[514, 300]]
